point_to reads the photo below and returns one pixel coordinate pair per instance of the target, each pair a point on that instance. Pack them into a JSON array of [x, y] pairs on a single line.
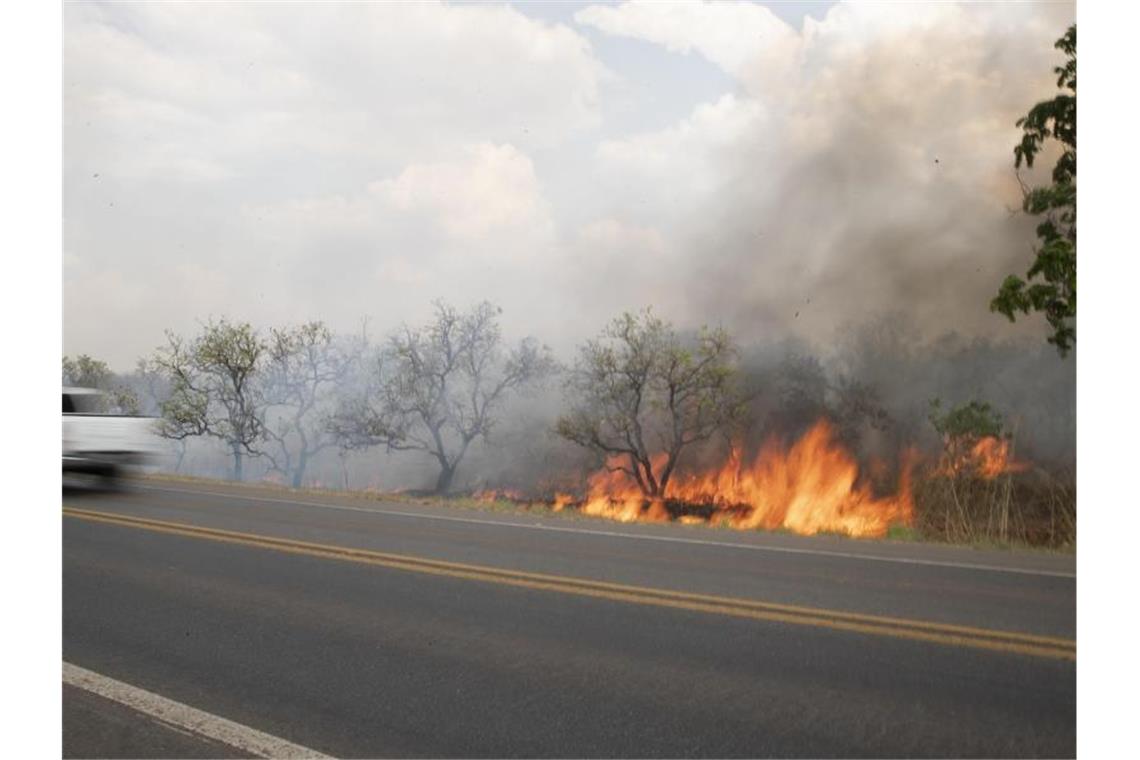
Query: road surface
[[360, 628]]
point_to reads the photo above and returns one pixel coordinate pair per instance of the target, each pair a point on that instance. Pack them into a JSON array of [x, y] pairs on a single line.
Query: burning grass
[[974, 494], [812, 486]]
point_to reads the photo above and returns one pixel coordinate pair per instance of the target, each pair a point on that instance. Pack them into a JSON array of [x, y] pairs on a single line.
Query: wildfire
[[992, 457], [814, 486], [560, 502], [989, 457]]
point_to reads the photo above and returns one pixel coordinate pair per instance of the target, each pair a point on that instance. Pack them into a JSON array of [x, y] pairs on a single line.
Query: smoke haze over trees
[[339, 398], [447, 407], [833, 192], [439, 387], [307, 368]]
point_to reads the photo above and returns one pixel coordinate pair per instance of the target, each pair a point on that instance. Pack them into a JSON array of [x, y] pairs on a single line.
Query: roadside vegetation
[[453, 408], [980, 493], [1050, 284], [305, 407]]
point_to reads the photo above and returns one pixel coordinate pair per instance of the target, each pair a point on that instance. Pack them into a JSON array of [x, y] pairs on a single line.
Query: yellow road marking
[[940, 633]]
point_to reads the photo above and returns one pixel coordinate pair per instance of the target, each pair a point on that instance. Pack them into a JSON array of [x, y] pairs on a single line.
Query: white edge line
[[244, 738], [635, 536]]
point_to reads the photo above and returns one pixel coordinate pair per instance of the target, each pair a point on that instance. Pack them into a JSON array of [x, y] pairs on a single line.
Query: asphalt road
[[360, 628], [95, 726]]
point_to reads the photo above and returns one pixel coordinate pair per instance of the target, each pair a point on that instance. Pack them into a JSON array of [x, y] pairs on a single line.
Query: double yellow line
[[918, 630]]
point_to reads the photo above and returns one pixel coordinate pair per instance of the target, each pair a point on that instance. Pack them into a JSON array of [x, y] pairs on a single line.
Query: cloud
[[231, 84], [279, 162], [287, 162], [493, 189], [671, 169], [475, 224], [485, 199], [736, 36]]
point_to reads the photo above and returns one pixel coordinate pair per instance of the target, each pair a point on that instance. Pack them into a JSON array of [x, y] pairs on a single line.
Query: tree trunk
[[667, 473], [237, 464], [649, 485], [635, 469], [299, 472], [443, 482]]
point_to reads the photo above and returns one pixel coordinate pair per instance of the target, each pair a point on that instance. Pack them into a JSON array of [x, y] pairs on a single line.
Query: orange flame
[[812, 487], [989, 457], [992, 457]]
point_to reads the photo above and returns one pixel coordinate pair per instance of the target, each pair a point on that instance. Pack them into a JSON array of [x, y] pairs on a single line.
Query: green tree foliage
[[1050, 285], [216, 387], [439, 387], [973, 420], [639, 390], [962, 426], [86, 372]]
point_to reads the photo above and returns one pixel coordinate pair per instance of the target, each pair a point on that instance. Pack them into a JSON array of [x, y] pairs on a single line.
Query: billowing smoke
[[846, 209], [864, 165]]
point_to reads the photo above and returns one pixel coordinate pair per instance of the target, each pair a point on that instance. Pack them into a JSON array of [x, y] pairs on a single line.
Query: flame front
[[987, 458], [992, 457], [810, 488]]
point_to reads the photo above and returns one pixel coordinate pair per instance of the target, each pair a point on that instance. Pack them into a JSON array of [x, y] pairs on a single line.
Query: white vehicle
[[98, 442]]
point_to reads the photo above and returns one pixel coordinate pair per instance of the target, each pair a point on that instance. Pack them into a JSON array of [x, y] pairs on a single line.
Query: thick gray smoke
[[846, 210], [858, 164], [864, 165]]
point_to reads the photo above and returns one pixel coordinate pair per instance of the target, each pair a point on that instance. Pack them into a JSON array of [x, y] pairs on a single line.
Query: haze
[[783, 171]]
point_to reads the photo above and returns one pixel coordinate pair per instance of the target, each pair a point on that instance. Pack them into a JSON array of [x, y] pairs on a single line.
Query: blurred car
[[99, 441]]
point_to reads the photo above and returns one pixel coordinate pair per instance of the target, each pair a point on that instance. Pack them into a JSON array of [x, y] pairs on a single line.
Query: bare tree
[[216, 387], [306, 364], [151, 384], [439, 387], [639, 390]]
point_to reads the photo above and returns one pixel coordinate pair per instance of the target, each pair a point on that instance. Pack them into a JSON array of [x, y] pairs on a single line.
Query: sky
[[782, 170]]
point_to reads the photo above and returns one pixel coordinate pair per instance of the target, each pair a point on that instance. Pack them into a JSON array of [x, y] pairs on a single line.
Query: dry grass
[[1027, 510], [458, 501], [1036, 508]]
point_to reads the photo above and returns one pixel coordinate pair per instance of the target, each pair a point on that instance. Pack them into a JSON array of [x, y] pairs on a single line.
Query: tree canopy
[[1050, 284], [640, 391], [88, 372], [306, 367], [439, 387], [216, 388]]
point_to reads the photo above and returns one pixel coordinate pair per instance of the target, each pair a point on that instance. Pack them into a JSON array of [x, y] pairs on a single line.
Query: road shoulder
[[94, 726]]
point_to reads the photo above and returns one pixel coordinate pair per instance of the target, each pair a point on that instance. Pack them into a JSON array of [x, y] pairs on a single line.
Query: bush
[[1034, 508]]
